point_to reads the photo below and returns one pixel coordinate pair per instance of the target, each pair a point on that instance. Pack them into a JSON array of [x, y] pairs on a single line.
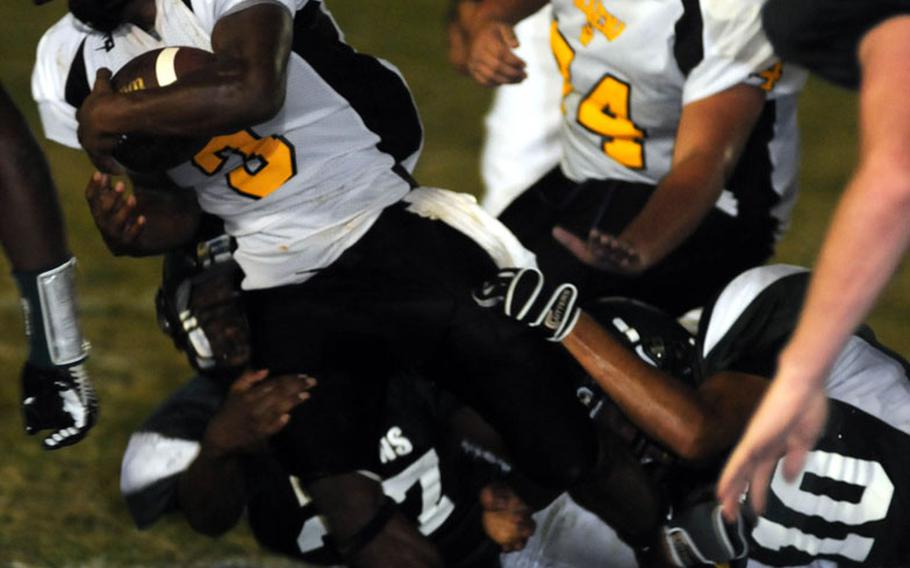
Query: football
[[151, 70]]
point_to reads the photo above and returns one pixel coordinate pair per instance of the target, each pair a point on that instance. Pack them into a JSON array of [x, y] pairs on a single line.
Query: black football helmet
[[199, 306]]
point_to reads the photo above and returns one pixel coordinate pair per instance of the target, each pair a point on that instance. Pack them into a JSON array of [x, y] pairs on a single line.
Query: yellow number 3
[[267, 162]]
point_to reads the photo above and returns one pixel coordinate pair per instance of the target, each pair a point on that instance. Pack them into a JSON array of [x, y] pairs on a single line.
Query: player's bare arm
[[696, 424], [867, 238], [155, 218], [710, 138], [245, 85], [212, 491], [491, 39]]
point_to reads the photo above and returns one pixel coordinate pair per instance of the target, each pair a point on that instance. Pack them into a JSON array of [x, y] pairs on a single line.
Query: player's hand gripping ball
[[152, 70]]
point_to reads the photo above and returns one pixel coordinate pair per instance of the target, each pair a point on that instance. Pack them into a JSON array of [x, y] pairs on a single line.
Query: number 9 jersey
[[851, 502], [630, 66]]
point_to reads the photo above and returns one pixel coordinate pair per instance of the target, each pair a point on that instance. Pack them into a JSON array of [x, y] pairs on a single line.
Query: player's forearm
[[710, 138], [243, 87], [659, 404], [677, 207], [219, 100], [867, 238], [211, 493], [870, 231]]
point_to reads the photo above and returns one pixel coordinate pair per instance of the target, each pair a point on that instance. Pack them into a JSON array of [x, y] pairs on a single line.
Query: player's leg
[[366, 528]]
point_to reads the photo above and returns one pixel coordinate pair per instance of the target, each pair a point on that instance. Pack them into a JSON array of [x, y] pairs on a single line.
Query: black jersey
[[824, 35], [850, 502], [418, 464]]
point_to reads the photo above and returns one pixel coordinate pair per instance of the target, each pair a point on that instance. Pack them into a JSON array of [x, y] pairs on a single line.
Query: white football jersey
[[630, 66], [295, 191], [523, 123]]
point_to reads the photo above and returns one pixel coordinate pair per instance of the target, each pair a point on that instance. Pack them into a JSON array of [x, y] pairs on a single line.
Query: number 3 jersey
[[295, 191], [418, 462], [630, 66], [851, 502]]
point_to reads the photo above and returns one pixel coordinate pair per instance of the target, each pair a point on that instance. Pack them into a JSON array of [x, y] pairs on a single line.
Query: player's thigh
[[520, 384]]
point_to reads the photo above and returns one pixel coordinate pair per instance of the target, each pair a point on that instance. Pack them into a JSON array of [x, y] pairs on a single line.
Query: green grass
[[63, 508]]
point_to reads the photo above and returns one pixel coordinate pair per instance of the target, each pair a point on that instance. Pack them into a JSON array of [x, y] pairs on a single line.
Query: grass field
[[63, 508]]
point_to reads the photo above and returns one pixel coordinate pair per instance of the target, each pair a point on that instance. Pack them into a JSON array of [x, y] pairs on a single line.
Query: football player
[[308, 168], [679, 144], [204, 451], [57, 393], [861, 44], [848, 503]]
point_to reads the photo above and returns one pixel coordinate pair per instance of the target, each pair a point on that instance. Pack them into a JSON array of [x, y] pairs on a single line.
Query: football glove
[[523, 296], [698, 535], [61, 399]]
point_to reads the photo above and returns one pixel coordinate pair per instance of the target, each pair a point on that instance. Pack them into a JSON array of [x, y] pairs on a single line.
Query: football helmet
[[199, 306]]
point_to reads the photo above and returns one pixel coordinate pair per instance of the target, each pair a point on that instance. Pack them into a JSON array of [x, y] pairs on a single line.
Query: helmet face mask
[[100, 15], [199, 306]]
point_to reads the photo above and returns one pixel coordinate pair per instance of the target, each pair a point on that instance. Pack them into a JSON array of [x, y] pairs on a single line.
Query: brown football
[[151, 70]]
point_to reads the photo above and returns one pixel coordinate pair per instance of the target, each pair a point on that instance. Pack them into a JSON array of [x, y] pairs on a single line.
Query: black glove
[[525, 298], [61, 399]]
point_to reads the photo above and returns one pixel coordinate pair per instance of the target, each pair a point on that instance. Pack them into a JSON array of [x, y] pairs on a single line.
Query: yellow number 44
[[605, 111]]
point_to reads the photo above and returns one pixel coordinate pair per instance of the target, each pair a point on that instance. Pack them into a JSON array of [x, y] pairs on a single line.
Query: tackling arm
[[695, 424], [245, 85], [212, 491]]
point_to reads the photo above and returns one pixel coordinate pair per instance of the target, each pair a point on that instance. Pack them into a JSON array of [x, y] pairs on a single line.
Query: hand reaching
[[254, 410], [787, 423], [114, 212], [506, 518], [602, 251]]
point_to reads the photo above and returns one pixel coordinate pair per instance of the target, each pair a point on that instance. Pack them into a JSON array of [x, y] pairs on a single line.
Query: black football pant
[[720, 249], [401, 298]]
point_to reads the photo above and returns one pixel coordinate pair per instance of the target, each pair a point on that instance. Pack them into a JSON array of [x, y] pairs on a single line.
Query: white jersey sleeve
[[57, 51], [736, 50], [210, 11]]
